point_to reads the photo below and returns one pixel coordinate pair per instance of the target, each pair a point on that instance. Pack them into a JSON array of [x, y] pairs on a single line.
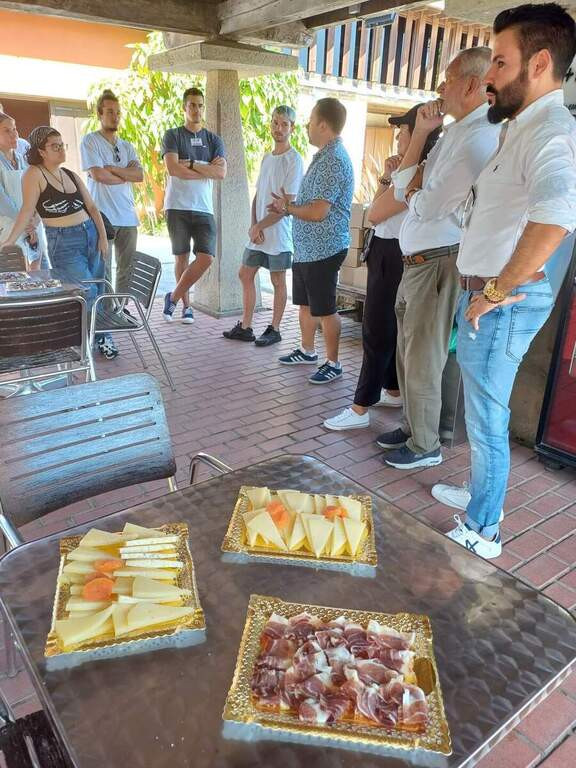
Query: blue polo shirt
[[330, 177]]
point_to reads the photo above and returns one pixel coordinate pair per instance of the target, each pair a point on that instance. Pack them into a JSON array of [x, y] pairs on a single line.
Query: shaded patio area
[[233, 400]]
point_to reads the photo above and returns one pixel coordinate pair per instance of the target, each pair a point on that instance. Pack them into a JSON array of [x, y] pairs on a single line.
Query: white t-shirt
[[277, 171], [116, 201], [390, 228]]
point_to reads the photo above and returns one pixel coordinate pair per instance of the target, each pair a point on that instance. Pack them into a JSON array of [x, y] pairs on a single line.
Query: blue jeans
[[74, 251], [489, 360]]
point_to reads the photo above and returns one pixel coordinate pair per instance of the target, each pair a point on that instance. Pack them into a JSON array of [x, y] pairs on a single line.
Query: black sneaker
[[270, 336], [404, 458], [395, 439], [239, 334]]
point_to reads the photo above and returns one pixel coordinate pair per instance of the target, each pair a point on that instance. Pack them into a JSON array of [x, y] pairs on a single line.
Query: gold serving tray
[[186, 580], [241, 708], [235, 540]]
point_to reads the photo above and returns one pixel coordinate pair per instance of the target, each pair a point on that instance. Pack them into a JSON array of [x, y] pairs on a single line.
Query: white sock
[[334, 364], [308, 351]]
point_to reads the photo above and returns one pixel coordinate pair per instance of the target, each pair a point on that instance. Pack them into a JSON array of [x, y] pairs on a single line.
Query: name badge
[[196, 141]]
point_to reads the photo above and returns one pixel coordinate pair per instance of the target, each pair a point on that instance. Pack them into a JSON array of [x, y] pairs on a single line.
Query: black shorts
[[184, 226], [314, 284]]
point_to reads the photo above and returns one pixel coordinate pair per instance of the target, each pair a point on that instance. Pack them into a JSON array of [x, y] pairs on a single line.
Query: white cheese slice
[[122, 586], [354, 532], [76, 589], [148, 563], [332, 501], [338, 544], [298, 534], [153, 540], [77, 604], [319, 503], [97, 538], [157, 573], [259, 497], [166, 555], [131, 529], [150, 614], [78, 568], [148, 548], [352, 506], [119, 619], [129, 600], [76, 630], [85, 555], [292, 500], [318, 531], [148, 588], [73, 578], [307, 503], [264, 526]]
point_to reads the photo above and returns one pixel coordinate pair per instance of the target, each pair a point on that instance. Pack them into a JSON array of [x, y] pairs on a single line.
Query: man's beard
[[509, 99]]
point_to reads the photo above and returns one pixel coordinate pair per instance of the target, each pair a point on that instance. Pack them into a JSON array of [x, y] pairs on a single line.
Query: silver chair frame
[[211, 461]]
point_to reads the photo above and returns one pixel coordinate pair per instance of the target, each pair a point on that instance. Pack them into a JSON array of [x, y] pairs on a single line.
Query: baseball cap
[[408, 118]]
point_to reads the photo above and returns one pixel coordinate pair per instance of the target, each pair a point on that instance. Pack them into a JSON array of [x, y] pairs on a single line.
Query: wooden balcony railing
[[413, 51]]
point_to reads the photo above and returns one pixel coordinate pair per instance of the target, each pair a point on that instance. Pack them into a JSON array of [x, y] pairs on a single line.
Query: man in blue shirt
[[321, 233]]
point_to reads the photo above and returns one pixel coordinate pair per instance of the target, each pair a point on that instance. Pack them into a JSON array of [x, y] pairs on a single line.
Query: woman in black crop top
[[77, 243]]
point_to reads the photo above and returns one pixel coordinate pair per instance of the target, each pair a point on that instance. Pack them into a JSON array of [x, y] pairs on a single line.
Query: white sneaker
[[347, 419], [390, 401], [455, 496], [468, 538]]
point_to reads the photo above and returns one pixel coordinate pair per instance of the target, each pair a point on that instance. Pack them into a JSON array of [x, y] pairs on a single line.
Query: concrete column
[[219, 292]]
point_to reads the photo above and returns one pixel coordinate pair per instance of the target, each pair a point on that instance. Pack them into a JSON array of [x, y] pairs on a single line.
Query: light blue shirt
[[7, 205], [330, 177]]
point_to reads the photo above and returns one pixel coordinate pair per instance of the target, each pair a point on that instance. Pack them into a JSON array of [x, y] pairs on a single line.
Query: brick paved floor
[[234, 401]]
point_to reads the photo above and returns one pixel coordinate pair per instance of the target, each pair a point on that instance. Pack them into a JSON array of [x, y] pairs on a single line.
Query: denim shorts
[[184, 226], [74, 251], [278, 262]]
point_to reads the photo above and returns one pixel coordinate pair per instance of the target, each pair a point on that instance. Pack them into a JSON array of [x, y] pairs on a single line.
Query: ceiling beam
[[242, 17], [361, 11], [193, 18]]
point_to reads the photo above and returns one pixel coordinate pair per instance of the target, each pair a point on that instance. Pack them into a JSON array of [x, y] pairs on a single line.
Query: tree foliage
[[152, 102]]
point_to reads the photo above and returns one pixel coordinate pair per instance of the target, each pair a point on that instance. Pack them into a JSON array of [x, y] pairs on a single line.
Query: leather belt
[[476, 283], [433, 253]]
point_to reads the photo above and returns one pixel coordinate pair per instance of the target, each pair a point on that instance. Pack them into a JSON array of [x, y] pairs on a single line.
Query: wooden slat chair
[[42, 333], [12, 259], [109, 315]]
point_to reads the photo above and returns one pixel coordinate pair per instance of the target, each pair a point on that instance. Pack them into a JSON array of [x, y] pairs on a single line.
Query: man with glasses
[[194, 159], [429, 237], [113, 166]]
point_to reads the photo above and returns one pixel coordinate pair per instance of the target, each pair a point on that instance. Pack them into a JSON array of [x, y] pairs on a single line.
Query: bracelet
[[491, 292], [384, 181], [286, 211]]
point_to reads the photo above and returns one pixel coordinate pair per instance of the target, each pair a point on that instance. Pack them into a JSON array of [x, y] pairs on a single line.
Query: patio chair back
[[42, 332], [74, 443], [12, 259], [145, 274]]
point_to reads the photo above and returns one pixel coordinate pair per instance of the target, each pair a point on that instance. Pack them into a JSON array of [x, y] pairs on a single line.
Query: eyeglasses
[[57, 147], [117, 157]]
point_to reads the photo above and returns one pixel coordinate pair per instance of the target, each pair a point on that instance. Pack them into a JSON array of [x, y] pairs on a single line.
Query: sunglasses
[[117, 157]]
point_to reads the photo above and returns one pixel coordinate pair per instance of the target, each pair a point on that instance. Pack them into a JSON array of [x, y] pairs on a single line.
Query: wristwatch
[[491, 292], [384, 181], [286, 211]]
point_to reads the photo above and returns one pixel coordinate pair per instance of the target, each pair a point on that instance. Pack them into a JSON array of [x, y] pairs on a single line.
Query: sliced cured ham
[[373, 671], [276, 627], [386, 637], [401, 661], [413, 711], [278, 655], [302, 627]]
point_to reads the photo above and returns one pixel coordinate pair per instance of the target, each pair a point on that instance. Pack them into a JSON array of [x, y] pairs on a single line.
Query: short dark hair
[[191, 92], [38, 139], [106, 95], [332, 112], [547, 26]]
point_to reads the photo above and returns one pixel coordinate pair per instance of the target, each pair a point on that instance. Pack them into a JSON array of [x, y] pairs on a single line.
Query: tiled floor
[[235, 401]]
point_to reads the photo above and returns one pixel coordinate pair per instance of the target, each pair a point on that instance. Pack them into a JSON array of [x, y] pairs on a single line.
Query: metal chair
[[109, 313], [12, 259], [211, 461], [75, 443], [40, 333]]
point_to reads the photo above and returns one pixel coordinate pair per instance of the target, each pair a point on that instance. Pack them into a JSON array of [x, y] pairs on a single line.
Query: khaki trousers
[[425, 307]]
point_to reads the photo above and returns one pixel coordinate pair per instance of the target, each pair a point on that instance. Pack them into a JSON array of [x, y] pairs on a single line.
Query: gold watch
[[492, 294]]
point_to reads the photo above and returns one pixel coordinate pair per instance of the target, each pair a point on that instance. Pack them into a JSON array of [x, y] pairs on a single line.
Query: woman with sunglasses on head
[[13, 164], [378, 382], [77, 243]]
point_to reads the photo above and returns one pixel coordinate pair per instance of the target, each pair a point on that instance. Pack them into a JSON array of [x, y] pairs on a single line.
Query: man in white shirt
[[519, 211], [270, 235], [113, 166], [429, 237]]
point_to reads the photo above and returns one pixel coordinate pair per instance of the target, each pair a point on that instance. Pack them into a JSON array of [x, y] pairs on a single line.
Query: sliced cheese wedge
[[352, 506], [263, 525], [85, 555], [150, 573], [122, 586], [152, 540], [133, 530], [76, 589], [319, 503], [339, 541], [318, 531], [166, 555], [150, 614], [97, 538], [119, 619], [148, 563], [307, 504], [294, 500], [129, 600], [76, 630], [73, 578], [332, 501], [298, 534], [78, 568], [259, 497], [354, 532], [77, 604], [135, 548], [148, 588]]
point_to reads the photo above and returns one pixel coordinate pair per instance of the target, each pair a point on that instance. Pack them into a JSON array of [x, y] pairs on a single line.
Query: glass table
[[501, 646]]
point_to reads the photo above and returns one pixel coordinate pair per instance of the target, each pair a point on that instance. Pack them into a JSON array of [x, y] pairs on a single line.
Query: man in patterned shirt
[[321, 236]]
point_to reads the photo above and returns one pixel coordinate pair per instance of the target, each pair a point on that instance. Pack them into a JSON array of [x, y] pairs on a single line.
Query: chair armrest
[[211, 461], [107, 283]]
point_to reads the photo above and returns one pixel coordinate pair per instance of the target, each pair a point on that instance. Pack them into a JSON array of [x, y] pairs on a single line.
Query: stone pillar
[[218, 292]]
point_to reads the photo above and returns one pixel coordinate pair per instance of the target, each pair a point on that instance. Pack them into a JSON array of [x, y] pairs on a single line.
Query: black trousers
[[379, 322]]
